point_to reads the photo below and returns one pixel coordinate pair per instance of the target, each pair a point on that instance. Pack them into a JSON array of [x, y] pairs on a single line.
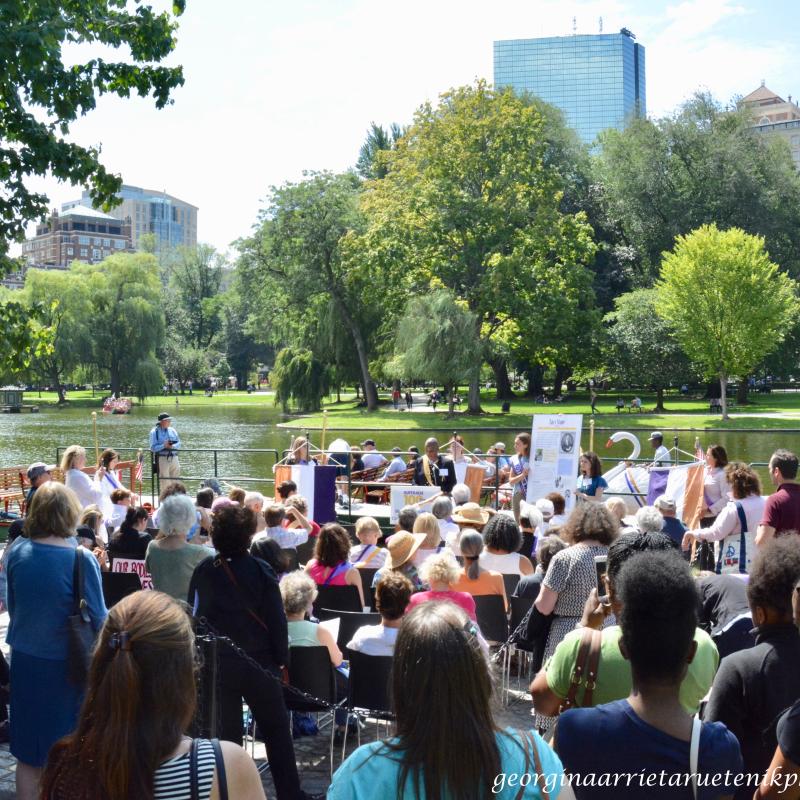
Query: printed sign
[[403, 496], [133, 565], [555, 450]]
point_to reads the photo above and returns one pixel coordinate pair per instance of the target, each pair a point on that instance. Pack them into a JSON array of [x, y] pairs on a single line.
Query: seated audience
[[367, 554], [649, 733], [427, 524], [286, 489], [471, 516], [454, 749], [473, 578], [755, 685], [371, 458], [530, 585], [649, 520], [237, 495], [286, 538], [121, 500], [502, 540], [130, 738], [255, 502], [204, 500], [240, 598], [460, 494], [269, 550], [396, 465], [614, 681], [331, 563], [670, 524], [401, 547], [297, 516], [559, 505], [406, 518], [392, 594], [442, 509], [132, 539], [171, 560], [441, 571], [531, 523]]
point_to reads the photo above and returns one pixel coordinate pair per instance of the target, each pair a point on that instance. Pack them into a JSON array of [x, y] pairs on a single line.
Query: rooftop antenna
[[763, 82], [574, 25], [601, 24]]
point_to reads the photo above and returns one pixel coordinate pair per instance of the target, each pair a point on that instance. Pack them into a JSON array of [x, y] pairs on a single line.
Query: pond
[[236, 429]]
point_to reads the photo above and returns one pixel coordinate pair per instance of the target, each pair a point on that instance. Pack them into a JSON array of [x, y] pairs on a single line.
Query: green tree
[[369, 164], [728, 304], [642, 349], [125, 315], [298, 376], [184, 363], [299, 260], [64, 300], [703, 165], [147, 378], [469, 191], [437, 340]]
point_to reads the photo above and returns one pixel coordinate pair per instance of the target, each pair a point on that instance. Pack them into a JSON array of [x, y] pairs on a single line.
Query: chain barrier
[[205, 631]]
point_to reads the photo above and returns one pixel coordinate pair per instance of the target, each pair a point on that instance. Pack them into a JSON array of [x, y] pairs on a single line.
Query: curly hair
[[333, 545], [595, 467], [392, 594], [743, 480], [629, 544], [774, 574], [502, 533], [649, 520], [232, 529], [439, 568], [590, 521], [298, 592]]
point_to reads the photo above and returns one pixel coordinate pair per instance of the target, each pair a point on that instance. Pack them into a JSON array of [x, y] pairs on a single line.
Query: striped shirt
[[171, 781]]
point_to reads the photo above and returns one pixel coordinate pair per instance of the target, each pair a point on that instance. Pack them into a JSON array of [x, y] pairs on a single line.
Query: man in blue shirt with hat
[[164, 445]]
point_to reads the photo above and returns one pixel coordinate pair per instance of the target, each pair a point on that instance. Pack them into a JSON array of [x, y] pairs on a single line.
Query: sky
[[276, 88]]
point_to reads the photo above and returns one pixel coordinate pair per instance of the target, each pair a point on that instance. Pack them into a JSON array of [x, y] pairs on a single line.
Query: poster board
[[402, 496], [555, 451], [133, 565]]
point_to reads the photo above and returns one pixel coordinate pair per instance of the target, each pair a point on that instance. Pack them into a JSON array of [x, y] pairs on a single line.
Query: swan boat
[[628, 479]]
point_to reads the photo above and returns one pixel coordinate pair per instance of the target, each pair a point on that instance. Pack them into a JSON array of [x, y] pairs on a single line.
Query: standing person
[[86, 489], [715, 496], [593, 399], [110, 481], [649, 734], [129, 741], [782, 511], [240, 597], [740, 516], [432, 469], [519, 466], [164, 445], [299, 452], [44, 703], [409, 401], [591, 483], [447, 742], [661, 458]]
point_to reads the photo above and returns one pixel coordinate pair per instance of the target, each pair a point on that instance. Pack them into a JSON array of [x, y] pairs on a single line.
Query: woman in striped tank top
[[140, 699]]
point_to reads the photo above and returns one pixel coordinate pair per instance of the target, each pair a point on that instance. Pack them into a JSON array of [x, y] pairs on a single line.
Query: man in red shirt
[[782, 509]]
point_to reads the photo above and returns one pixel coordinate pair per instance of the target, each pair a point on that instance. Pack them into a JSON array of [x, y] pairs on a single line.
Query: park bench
[[380, 494], [12, 487], [362, 476]]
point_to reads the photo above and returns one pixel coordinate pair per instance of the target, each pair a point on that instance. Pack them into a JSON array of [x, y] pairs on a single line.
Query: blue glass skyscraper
[[598, 81]]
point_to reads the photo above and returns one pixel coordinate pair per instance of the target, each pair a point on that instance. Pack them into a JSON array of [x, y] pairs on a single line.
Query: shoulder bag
[[586, 666], [221, 562], [194, 775], [80, 633]]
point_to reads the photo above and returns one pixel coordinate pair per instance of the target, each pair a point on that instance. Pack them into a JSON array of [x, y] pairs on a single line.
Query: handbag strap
[[577, 672], [593, 664], [529, 742], [193, 770], [742, 538], [694, 754], [222, 778], [221, 562], [78, 600]]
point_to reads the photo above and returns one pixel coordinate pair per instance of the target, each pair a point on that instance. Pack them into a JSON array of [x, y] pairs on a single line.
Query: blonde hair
[[91, 516], [428, 524], [298, 592], [439, 568], [70, 454], [54, 511], [616, 505], [367, 525]]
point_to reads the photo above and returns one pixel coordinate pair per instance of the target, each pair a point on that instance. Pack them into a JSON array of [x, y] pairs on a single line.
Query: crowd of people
[[667, 657]]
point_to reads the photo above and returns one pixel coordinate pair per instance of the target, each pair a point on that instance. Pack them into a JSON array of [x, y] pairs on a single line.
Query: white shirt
[[88, 490], [376, 555], [371, 459], [556, 519], [506, 564], [662, 458], [715, 490], [451, 534], [396, 465], [727, 522], [374, 640]]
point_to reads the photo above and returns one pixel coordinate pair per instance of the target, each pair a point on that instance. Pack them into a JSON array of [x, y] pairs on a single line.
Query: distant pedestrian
[[593, 398], [409, 401]]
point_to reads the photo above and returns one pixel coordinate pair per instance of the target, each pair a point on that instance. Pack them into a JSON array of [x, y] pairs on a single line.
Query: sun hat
[[401, 547], [163, 415], [546, 507], [471, 513], [665, 504], [38, 468]]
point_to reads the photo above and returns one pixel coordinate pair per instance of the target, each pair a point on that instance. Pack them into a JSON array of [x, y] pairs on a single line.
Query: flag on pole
[[139, 467], [316, 483]]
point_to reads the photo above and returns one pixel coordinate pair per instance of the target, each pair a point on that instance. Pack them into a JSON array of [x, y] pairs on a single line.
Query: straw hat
[[471, 513], [401, 547]]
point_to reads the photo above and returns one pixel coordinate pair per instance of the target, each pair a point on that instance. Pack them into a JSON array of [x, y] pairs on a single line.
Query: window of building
[[70, 251], [84, 252], [96, 255], [106, 242], [119, 244], [83, 240]]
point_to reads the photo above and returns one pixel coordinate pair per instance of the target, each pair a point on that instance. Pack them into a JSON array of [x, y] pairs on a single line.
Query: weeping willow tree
[[301, 378]]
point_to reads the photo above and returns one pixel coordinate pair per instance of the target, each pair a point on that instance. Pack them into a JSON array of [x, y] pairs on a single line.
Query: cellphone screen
[[600, 565]]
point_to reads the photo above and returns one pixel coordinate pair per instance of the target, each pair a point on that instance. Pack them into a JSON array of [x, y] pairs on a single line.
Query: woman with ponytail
[[130, 742]]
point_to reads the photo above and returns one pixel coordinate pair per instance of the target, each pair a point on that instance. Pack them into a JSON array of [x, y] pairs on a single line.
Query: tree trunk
[[55, 379], [448, 395], [562, 373], [535, 376], [659, 398], [338, 393], [474, 396], [723, 386], [741, 391], [370, 391], [115, 380], [500, 368]]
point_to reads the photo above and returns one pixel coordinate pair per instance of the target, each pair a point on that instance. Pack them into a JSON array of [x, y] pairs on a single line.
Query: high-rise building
[[77, 234], [775, 117], [598, 80], [173, 222]]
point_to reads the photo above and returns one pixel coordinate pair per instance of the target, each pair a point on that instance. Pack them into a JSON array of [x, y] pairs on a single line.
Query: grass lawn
[[84, 399], [682, 413]]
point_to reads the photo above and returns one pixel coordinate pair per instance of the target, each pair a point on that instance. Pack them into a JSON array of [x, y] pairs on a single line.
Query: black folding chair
[[520, 606], [349, 623], [337, 598], [305, 551], [368, 689], [311, 671], [117, 585], [293, 560], [367, 576], [493, 623], [510, 582]]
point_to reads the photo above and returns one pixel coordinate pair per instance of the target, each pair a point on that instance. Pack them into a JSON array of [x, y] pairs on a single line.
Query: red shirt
[[459, 598], [782, 509]]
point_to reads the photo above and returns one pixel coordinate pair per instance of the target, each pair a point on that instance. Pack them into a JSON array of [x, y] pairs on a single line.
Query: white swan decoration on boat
[[626, 479]]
